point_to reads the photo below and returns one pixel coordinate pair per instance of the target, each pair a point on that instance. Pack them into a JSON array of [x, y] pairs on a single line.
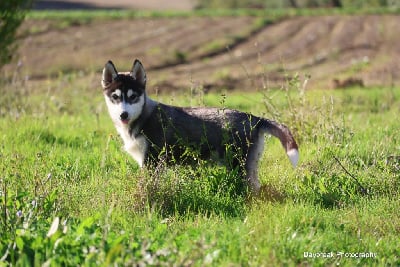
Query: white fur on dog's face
[[116, 108]]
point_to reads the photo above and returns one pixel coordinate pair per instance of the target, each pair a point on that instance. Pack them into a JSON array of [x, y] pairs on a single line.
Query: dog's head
[[124, 92]]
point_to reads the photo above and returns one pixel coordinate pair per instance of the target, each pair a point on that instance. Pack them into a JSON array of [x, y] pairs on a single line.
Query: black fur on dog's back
[[215, 128]]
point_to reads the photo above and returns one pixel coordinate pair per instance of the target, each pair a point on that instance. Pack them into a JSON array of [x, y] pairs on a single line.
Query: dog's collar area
[[148, 108]]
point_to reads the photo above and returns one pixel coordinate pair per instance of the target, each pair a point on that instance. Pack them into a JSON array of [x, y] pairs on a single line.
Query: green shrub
[[12, 13]]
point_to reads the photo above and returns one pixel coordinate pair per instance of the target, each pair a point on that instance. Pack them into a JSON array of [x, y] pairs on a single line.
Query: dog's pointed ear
[[109, 74], [138, 73]]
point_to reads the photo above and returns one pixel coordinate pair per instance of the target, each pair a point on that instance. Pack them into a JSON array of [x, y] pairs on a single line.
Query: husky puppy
[[152, 130]]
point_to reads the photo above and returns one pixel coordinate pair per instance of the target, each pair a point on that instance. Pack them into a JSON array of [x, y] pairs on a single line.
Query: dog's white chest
[[136, 147]]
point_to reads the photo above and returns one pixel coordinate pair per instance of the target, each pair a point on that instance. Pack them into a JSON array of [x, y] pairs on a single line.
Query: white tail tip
[[293, 155]]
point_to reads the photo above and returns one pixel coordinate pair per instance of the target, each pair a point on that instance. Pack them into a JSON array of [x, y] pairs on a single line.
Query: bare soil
[[225, 52]]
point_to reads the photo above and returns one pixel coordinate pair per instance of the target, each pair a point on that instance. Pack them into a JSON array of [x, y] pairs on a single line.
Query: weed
[[179, 56]]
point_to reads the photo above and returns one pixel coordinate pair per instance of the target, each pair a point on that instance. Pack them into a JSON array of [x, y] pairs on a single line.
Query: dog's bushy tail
[[285, 136]]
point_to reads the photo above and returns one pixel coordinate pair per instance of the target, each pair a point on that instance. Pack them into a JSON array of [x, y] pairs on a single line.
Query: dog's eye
[[115, 96], [133, 97]]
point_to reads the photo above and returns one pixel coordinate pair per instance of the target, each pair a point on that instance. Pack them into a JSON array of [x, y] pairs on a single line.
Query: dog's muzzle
[[124, 117]]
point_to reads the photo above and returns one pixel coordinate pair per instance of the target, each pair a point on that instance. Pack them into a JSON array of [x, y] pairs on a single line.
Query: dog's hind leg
[[251, 166]]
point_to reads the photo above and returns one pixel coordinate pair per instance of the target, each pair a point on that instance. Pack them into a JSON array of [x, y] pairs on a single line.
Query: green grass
[[271, 4], [60, 157], [85, 15]]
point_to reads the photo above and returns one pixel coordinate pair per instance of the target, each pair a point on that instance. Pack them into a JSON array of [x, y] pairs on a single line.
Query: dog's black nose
[[124, 115]]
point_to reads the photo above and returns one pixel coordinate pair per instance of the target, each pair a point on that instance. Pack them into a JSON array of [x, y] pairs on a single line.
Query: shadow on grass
[[182, 190]]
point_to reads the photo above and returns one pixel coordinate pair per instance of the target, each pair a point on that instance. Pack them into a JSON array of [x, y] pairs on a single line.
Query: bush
[[12, 13]]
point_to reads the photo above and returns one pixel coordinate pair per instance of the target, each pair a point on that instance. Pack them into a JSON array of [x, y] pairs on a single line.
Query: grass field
[[70, 196]]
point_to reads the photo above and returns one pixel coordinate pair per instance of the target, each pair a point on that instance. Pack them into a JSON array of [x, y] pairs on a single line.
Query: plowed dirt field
[[245, 53]]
